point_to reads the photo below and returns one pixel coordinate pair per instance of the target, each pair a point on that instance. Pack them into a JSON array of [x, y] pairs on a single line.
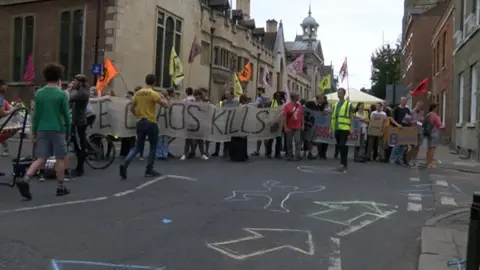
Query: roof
[[269, 40], [355, 96], [303, 46]]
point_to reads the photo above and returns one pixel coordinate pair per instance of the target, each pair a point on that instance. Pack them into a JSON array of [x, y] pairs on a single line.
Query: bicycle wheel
[[103, 153]]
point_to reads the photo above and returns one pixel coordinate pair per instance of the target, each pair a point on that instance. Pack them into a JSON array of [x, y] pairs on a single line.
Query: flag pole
[[348, 83]]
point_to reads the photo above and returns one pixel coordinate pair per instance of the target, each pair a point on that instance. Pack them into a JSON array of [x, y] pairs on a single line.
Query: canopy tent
[[355, 96]]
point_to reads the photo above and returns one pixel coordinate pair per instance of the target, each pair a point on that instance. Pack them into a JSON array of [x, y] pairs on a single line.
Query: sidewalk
[[444, 239], [446, 160]]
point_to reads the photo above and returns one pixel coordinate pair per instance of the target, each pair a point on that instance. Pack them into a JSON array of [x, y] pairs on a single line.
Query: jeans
[[278, 146], [360, 150], [162, 147], [374, 146], [294, 136], [145, 129], [397, 153], [80, 146], [341, 136]]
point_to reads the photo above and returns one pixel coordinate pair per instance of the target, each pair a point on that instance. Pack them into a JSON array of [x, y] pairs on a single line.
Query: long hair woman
[[432, 133]]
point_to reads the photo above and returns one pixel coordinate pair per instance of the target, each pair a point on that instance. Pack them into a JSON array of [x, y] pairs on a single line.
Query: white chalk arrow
[[265, 240]]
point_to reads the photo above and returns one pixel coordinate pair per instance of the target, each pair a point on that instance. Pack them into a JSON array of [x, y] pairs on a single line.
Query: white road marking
[[442, 183], [414, 179], [335, 259], [446, 200], [415, 197], [414, 207], [256, 235], [102, 198]]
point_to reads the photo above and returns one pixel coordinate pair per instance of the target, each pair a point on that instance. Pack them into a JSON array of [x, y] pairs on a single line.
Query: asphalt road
[[263, 214]]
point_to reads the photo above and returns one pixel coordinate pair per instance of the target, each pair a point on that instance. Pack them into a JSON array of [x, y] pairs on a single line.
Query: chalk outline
[[335, 259], [257, 235], [345, 206], [269, 185], [57, 263], [317, 169], [97, 199]]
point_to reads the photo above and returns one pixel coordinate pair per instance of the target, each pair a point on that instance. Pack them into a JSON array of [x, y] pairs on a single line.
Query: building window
[[169, 35], [205, 57], [472, 116], [71, 42], [437, 57], [461, 89], [216, 55], [239, 63], [463, 14], [260, 76], [444, 106], [444, 48], [434, 61], [23, 44]]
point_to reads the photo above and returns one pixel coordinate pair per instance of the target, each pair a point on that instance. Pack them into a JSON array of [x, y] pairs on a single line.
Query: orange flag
[[109, 72], [246, 73]]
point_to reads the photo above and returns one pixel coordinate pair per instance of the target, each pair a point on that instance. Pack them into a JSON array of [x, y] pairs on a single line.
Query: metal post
[[258, 71], [473, 258], [212, 31], [97, 36]]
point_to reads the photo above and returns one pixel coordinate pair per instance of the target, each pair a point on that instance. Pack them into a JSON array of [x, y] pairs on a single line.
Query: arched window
[[169, 35], [23, 44]]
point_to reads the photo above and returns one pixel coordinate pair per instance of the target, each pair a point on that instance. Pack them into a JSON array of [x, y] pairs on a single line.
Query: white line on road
[[442, 183], [103, 198], [414, 179], [446, 200], [415, 197], [335, 259], [414, 207]]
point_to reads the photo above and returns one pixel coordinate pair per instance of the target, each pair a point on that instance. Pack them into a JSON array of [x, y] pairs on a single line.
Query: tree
[[385, 68], [363, 89]]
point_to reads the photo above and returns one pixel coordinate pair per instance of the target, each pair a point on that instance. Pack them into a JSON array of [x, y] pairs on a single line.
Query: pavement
[[215, 214]]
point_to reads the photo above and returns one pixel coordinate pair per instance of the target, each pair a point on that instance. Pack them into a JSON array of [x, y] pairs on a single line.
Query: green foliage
[[385, 68]]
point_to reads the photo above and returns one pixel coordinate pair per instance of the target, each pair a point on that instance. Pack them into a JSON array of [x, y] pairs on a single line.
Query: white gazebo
[[355, 96]]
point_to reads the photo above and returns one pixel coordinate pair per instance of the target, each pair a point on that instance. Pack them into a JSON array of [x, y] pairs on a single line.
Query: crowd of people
[[58, 114]]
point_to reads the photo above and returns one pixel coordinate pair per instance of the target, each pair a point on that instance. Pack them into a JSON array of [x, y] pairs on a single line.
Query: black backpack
[[427, 126]]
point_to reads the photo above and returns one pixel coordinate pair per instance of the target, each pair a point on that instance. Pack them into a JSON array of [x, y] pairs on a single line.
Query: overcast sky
[[348, 28]]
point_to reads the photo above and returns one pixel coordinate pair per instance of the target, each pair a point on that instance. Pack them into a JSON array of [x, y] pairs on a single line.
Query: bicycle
[[96, 145]]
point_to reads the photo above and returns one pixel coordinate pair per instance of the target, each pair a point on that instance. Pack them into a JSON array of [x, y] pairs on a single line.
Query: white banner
[[190, 120]]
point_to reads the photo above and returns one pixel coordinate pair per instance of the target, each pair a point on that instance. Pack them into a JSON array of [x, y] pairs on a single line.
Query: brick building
[[466, 69], [442, 71], [139, 35], [416, 55]]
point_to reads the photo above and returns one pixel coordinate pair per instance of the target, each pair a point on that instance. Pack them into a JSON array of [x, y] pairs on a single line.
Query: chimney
[[272, 26], [244, 5]]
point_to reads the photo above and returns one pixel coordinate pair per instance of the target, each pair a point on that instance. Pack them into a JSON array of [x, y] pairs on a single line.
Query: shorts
[[434, 139], [51, 143]]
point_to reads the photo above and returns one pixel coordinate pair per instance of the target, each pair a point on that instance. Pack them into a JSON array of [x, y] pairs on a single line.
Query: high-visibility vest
[[344, 122], [274, 104], [220, 103]]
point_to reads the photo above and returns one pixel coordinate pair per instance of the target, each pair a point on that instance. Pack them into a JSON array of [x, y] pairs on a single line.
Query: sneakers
[[152, 173], [5, 153], [204, 157], [184, 157], [24, 189], [62, 191], [123, 171]]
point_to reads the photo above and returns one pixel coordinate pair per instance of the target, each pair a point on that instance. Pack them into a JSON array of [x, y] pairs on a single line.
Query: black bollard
[[473, 256]]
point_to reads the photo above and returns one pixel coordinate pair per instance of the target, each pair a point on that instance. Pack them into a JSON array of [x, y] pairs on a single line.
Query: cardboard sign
[[403, 136], [375, 127]]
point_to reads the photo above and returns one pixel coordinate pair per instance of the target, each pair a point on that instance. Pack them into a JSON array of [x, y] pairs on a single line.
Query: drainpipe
[[212, 31], [97, 36]]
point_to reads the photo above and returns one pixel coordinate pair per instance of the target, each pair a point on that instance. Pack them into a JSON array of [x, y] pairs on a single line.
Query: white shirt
[[378, 115], [189, 99]]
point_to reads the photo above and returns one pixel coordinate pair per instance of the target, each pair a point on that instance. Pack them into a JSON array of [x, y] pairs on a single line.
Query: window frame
[[23, 16], [444, 107], [472, 116], [461, 89], [84, 32]]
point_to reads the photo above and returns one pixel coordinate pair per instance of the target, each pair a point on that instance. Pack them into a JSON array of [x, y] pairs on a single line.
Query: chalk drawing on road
[[97, 199], [59, 265], [259, 243], [318, 169], [335, 261], [275, 194], [355, 215]]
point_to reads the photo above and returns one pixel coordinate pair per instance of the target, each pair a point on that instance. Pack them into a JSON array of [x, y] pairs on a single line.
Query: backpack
[[427, 127]]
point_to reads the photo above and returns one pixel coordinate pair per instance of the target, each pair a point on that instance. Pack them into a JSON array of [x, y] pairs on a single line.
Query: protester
[[417, 119], [144, 107], [260, 102], [323, 107], [277, 101], [237, 147], [363, 117], [431, 130], [217, 145], [342, 126], [50, 128], [162, 145], [293, 122], [398, 115], [191, 144], [375, 143], [309, 120], [5, 110], [79, 102], [189, 95]]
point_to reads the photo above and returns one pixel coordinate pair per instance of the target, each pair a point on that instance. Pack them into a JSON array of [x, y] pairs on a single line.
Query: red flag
[[422, 88], [195, 50], [297, 65], [29, 74]]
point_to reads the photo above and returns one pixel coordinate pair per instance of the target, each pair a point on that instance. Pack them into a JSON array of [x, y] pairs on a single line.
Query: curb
[[431, 222]]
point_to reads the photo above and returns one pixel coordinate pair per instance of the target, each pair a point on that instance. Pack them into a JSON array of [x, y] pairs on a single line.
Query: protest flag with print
[[325, 83], [297, 65], [246, 73], [343, 70], [237, 86], [266, 76], [29, 74], [175, 68], [109, 72], [195, 50], [287, 93]]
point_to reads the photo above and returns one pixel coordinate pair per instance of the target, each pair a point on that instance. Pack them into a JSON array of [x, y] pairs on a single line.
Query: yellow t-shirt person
[[146, 100]]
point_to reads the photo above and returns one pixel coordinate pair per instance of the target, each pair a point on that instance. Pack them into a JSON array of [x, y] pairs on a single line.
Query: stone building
[[138, 37], [442, 69], [466, 68]]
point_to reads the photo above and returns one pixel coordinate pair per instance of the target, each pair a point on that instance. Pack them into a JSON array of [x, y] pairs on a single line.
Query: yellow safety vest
[[343, 116], [220, 103], [274, 104]]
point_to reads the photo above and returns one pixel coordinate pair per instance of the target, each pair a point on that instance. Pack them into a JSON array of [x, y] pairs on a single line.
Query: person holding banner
[[418, 116], [276, 101], [342, 126], [398, 116], [324, 107], [375, 141], [144, 107], [360, 113], [260, 102], [293, 123]]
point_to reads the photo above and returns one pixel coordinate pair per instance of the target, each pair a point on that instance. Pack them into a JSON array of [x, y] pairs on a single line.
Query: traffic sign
[[97, 69]]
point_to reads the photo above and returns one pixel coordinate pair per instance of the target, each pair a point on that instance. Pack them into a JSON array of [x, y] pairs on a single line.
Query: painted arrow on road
[[353, 214], [266, 240]]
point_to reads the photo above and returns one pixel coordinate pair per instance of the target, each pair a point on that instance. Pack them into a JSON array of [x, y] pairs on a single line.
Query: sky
[[348, 28]]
